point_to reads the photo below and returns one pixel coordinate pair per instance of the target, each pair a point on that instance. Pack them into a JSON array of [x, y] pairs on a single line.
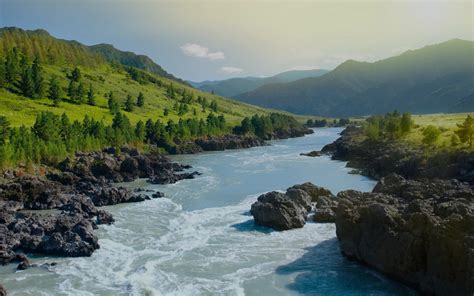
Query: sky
[[213, 40]]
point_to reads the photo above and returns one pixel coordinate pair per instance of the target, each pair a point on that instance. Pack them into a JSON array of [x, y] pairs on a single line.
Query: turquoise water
[[201, 239]]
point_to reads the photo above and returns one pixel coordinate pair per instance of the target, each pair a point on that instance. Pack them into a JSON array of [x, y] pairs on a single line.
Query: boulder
[[282, 211], [419, 232]]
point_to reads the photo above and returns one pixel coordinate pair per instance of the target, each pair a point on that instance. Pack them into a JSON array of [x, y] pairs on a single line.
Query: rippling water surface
[[201, 239]]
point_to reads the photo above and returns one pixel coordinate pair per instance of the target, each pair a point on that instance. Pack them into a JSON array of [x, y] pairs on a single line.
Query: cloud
[[198, 51], [304, 68], [231, 70]]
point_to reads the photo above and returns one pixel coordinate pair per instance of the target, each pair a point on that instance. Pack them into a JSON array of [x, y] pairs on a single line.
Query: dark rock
[[75, 188], [168, 178], [282, 211], [419, 232], [158, 195], [3, 291], [314, 191], [324, 215], [312, 154], [33, 192], [217, 143]]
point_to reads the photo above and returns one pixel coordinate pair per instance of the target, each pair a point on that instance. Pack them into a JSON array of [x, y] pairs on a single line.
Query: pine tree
[[113, 104], [76, 74], [406, 123], [54, 91], [38, 81], [129, 104], [140, 100], [90, 96], [4, 129], [465, 131], [27, 86], [71, 90], [12, 66], [3, 78]]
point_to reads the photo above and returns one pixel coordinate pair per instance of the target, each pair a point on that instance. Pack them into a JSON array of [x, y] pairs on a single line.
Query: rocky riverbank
[[380, 158], [69, 196], [416, 226], [419, 232], [233, 141]]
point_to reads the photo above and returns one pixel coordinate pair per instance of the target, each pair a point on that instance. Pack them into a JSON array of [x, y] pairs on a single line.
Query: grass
[[447, 123], [22, 111]]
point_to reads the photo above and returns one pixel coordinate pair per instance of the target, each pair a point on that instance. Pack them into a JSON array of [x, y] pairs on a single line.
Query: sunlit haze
[[199, 40]]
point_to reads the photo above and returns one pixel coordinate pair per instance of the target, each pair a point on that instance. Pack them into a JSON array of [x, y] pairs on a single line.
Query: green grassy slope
[[20, 110], [59, 57]]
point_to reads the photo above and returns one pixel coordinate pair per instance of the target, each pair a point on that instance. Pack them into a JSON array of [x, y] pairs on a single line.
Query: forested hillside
[[58, 97]]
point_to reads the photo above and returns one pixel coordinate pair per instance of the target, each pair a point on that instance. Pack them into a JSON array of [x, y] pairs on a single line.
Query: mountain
[[74, 52], [235, 86], [131, 59], [435, 78], [106, 70]]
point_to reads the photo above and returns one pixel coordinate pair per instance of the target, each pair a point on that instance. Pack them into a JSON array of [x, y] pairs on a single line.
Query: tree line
[[389, 126], [53, 137], [266, 126]]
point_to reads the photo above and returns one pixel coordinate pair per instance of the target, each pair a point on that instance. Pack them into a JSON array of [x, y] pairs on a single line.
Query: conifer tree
[[129, 104], [71, 90], [38, 80], [4, 129], [113, 104], [54, 93], [27, 86], [140, 100], [76, 74], [12, 66], [465, 131], [3, 78]]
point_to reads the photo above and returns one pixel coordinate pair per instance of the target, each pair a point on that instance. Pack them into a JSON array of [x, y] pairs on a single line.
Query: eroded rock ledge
[[69, 196], [419, 232]]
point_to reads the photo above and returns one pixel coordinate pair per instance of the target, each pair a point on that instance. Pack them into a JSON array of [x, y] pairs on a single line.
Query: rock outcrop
[[282, 211], [419, 232], [72, 194]]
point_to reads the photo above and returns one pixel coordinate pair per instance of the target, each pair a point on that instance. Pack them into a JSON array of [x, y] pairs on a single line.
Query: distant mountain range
[[235, 86], [435, 78]]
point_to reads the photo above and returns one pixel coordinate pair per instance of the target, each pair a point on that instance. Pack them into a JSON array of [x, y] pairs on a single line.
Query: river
[[201, 239]]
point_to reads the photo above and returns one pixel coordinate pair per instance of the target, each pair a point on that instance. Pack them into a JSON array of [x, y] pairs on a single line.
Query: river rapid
[[201, 239]]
